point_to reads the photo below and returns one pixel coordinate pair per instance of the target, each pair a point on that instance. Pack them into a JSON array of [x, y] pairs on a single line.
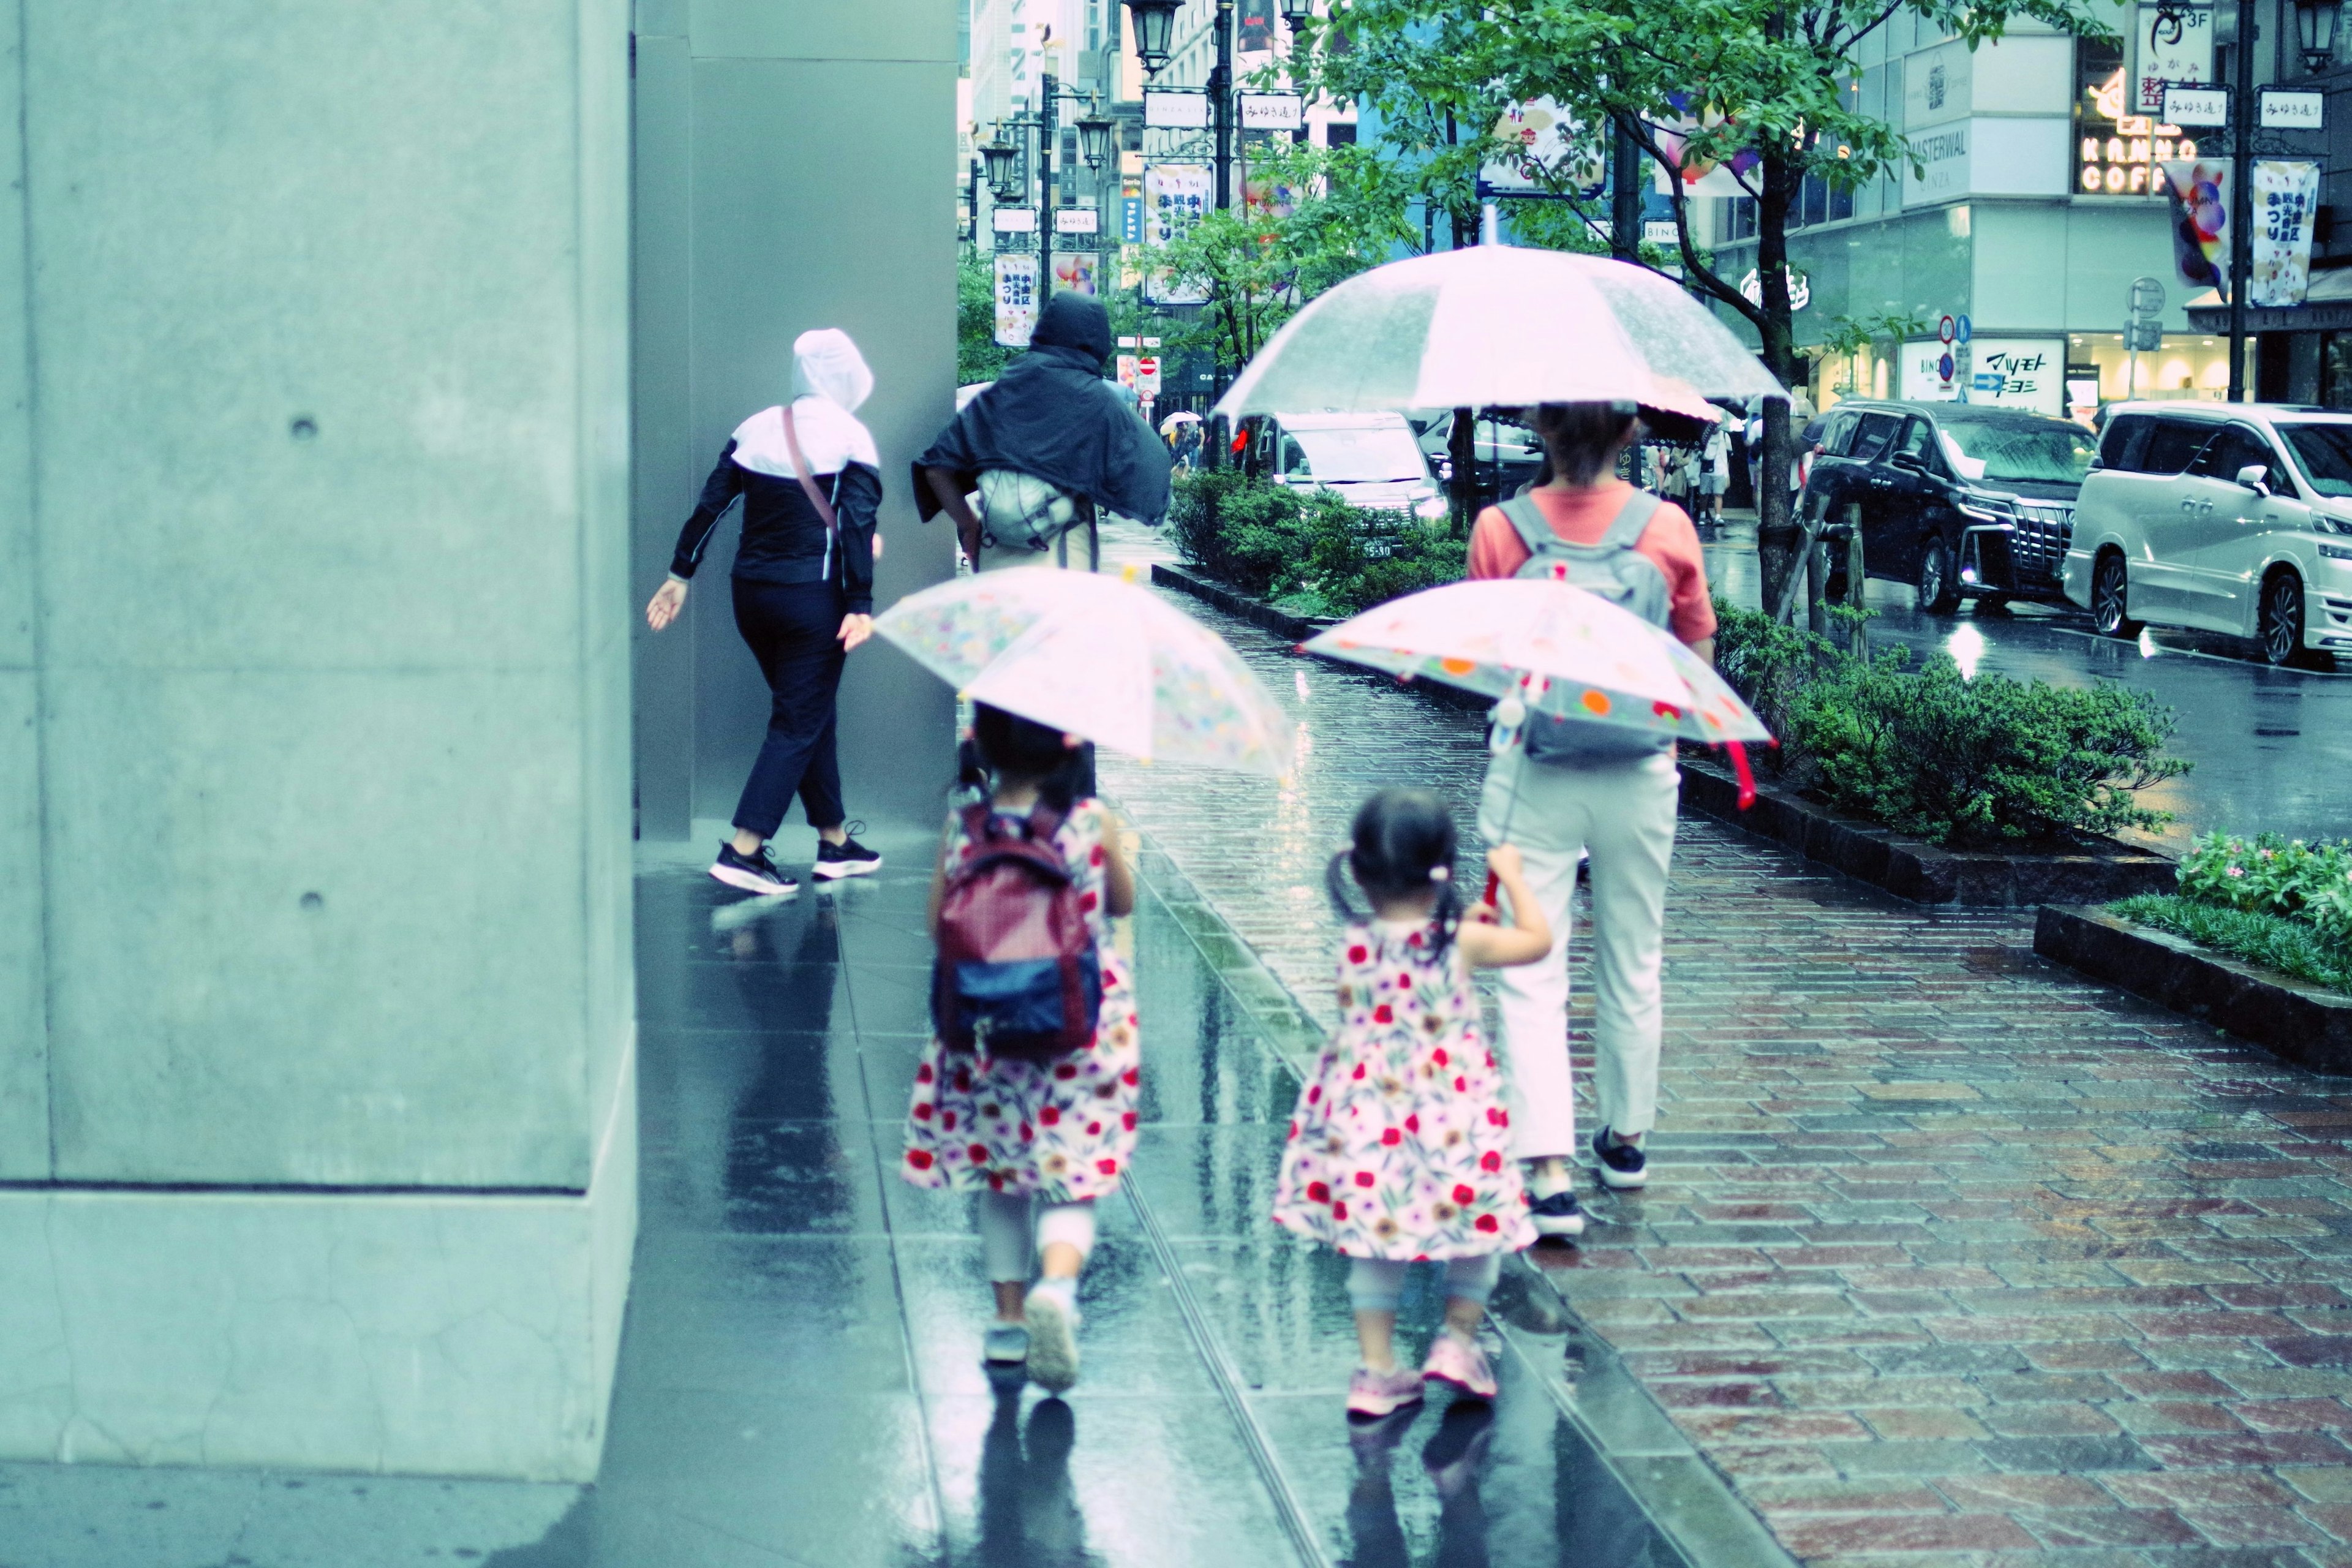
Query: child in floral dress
[[1038, 1142], [1399, 1148]]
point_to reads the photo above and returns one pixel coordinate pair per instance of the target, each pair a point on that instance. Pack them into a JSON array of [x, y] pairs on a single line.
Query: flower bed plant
[[2279, 902], [1309, 552], [1961, 762]]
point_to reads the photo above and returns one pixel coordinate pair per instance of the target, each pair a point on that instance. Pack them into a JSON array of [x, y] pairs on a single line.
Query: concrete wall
[[313, 731], [795, 168]]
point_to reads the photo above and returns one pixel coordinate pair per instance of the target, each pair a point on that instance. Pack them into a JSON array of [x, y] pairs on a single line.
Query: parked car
[[2232, 518], [1506, 453], [1369, 460], [1957, 500]]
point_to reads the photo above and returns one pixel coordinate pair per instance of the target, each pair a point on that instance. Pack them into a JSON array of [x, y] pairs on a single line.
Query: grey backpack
[[1620, 573]]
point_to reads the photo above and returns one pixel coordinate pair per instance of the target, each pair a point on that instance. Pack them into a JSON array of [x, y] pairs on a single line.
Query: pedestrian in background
[[1618, 804], [1053, 419], [1398, 1146], [1039, 1141], [803, 590], [1714, 473]]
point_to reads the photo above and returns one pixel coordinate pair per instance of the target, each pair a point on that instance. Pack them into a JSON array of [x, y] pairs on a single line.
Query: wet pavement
[[1950, 1257], [2272, 748]]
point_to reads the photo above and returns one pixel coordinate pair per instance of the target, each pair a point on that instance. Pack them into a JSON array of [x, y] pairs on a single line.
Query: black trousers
[[793, 630]]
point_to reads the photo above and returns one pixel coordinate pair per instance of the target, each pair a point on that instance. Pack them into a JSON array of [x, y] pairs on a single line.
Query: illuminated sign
[[2117, 152]]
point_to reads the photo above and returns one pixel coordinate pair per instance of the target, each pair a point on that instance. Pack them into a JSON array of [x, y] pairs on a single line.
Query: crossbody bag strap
[[801, 472]]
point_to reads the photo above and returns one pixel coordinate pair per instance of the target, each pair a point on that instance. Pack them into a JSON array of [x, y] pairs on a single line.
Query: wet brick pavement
[[1949, 1258]]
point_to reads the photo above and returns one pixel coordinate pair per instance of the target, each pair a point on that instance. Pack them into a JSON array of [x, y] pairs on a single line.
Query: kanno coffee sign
[[2116, 152]]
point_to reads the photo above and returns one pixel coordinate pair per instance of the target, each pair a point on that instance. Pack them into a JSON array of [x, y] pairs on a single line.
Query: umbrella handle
[[1494, 886]]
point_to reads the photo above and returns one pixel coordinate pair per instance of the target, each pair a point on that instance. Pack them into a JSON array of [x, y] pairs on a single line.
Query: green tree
[[979, 356], [1768, 88], [1327, 215]]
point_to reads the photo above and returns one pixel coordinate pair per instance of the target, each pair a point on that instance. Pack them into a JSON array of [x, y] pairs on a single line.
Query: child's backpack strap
[[1632, 520], [1529, 519]]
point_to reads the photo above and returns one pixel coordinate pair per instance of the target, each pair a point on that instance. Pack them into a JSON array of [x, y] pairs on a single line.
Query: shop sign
[[2027, 373], [2172, 45], [1801, 289], [1931, 372], [2117, 154], [2287, 196], [1943, 171], [1938, 85], [1016, 298]]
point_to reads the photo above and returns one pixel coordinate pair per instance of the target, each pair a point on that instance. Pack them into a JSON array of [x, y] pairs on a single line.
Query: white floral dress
[[1063, 1129], [1400, 1146]]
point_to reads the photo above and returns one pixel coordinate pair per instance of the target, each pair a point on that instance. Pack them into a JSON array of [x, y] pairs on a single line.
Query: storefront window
[[2185, 366], [2336, 369], [2115, 155]]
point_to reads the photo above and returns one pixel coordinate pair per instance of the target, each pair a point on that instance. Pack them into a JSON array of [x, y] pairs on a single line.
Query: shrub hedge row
[[1310, 552]]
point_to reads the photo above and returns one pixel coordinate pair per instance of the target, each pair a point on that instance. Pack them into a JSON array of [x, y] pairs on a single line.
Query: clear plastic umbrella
[[1100, 658], [1500, 326]]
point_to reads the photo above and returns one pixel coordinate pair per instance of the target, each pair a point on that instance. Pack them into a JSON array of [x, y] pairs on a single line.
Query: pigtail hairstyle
[[1402, 842], [1005, 742]]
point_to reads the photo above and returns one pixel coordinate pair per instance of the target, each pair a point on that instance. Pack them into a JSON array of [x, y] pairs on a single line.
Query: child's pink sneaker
[[1373, 1395], [1455, 1360]]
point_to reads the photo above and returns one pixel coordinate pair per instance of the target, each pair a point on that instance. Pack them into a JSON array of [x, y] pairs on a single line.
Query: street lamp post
[[2241, 199], [1221, 95]]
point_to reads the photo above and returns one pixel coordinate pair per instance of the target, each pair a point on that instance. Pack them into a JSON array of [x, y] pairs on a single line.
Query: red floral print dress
[[1063, 1129], [1400, 1146]]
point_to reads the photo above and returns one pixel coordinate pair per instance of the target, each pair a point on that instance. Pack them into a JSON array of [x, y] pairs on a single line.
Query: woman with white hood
[[803, 587]]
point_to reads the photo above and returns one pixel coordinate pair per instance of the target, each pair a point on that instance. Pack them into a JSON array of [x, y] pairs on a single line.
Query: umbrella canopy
[[1182, 416], [1099, 657], [1564, 650], [1500, 326]]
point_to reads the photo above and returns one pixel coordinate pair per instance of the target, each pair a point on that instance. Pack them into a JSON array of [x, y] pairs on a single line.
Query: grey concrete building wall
[[314, 672], [795, 169]]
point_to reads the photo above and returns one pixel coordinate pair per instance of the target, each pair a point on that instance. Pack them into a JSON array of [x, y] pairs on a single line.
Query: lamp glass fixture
[[1296, 12], [1153, 20], [998, 155], [1093, 137], [2314, 22]]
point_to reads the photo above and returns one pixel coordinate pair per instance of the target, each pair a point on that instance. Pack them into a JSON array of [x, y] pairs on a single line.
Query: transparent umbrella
[[1500, 326]]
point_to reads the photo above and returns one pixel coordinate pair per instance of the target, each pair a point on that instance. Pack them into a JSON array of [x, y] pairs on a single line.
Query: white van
[[1369, 460]]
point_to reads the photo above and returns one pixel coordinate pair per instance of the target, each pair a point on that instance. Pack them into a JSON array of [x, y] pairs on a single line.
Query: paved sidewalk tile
[[1948, 1256]]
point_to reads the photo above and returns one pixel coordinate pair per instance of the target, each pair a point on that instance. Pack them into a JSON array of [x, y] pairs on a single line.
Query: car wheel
[[2280, 628], [1938, 595], [2111, 597]]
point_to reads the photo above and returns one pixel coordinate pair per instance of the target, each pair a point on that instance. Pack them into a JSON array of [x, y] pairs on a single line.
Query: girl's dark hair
[[1004, 743], [1581, 439], [1401, 837]]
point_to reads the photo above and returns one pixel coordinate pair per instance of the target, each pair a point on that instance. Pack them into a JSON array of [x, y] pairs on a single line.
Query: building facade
[[2035, 204]]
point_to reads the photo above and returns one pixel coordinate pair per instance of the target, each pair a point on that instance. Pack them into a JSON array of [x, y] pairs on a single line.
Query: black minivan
[[1954, 499]]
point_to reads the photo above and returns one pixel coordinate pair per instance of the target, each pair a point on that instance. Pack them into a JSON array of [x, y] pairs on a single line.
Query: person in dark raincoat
[[1050, 415]]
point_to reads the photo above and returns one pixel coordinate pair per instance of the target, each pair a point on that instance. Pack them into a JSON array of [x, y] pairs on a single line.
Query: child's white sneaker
[[1052, 1326]]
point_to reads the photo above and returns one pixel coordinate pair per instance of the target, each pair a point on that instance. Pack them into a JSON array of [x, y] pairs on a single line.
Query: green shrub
[[2275, 941], [1309, 552], [1961, 761], [2271, 875]]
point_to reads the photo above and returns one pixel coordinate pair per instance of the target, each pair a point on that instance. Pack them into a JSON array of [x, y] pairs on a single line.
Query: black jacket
[[1051, 413], [784, 540]]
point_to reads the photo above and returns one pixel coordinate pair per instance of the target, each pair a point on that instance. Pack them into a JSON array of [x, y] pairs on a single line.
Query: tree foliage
[[979, 356]]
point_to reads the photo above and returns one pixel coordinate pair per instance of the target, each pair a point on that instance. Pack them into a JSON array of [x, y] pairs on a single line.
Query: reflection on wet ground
[[784, 1271], [2272, 748]]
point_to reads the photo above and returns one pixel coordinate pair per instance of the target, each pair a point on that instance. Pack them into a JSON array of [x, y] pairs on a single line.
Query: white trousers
[[1622, 816]]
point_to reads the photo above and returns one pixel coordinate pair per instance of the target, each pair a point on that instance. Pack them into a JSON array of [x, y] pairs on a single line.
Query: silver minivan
[[2234, 518]]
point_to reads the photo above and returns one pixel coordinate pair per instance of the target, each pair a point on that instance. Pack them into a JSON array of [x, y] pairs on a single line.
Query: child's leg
[[1065, 1234], [1469, 1283], [1373, 1286], [1007, 1244]]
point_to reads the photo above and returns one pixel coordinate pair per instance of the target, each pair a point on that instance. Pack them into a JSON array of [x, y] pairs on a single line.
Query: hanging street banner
[[1016, 298], [1541, 151], [2200, 191], [1174, 197], [1074, 271], [2171, 45], [2286, 200]]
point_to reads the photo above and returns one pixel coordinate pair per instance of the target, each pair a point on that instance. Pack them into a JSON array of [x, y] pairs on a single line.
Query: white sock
[[1065, 1291]]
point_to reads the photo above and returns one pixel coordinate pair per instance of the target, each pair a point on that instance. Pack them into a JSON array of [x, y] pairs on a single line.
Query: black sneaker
[[1558, 1214], [847, 858], [754, 873], [1621, 1165]]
